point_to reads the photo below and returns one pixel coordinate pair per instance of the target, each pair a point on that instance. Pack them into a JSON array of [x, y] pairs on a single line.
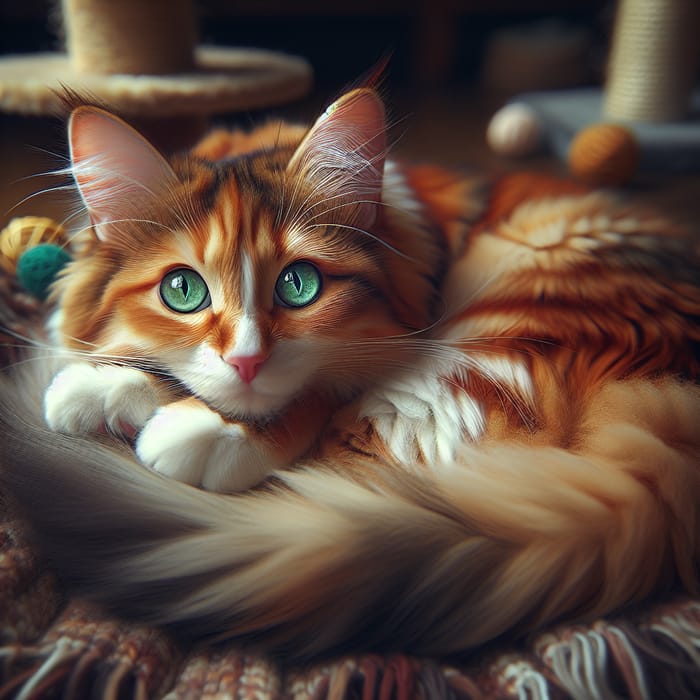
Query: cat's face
[[248, 281], [247, 312]]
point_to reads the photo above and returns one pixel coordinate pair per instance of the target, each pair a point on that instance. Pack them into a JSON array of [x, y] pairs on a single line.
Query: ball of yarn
[[515, 130], [604, 155], [37, 267], [24, 232]]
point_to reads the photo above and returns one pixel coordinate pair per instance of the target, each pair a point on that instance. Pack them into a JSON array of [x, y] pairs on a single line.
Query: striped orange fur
[[485, 419]]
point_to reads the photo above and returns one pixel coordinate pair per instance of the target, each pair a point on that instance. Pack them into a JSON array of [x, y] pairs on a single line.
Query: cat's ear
[[118, 172], [343, 154]]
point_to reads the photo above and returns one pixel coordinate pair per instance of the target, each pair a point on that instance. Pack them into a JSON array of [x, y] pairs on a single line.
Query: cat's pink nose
[[247, 366]]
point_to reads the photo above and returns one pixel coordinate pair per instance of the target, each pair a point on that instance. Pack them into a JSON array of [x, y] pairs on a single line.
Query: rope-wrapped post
[[155, 37], [653, 60]]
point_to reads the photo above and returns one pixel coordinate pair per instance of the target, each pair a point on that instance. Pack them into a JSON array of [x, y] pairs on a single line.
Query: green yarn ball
[[37, 268]]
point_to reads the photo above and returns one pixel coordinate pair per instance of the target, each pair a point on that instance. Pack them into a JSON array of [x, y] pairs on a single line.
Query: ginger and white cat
[[266, 284], [476, 403]]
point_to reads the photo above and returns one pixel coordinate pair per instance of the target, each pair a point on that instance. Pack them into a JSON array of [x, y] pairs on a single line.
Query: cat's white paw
[[423, 418], [84, 398], [189, 442]]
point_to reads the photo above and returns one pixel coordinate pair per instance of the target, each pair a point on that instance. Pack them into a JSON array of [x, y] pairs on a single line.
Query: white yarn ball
[[515, 130]]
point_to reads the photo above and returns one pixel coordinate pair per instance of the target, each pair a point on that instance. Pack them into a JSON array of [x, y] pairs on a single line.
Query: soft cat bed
[[51, 646]]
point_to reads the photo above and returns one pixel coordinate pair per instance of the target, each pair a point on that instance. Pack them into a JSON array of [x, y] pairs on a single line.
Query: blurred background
[[453, 63], [432, 42]]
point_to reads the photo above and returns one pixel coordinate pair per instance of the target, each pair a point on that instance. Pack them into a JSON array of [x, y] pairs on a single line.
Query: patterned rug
[[52, 646]]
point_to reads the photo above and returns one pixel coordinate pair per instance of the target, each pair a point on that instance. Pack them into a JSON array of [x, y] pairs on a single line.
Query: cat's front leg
[[190, 442], [84, 398]]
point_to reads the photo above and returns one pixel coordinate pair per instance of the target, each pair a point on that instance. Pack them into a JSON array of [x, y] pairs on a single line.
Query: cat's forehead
[[254, 181], [233, 215], [253, 203]]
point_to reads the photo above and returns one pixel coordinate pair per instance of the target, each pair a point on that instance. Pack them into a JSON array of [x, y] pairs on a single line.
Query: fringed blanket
[[56, 648], [53, 647]]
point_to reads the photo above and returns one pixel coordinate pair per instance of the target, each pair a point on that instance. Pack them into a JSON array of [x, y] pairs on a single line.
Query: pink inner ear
[[344, 151], [117, 171]]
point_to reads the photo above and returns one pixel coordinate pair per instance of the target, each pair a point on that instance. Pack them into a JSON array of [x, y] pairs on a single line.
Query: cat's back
[[271, 137]]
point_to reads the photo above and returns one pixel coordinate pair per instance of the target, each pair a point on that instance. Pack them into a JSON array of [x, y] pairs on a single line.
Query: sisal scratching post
[[141, 58], [134, 37], [646, 119], [653, 60]]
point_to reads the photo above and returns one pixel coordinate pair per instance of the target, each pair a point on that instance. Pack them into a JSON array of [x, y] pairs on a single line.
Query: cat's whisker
[[383, 243], [25, 342], [322, 185], [474, 294], [93, 353], [127, 220], [41, 175], [391, 146], [304, 208], [39, 193], [69, 218], [451, 351], [303, 220], [134, 220], [286, 218], [186, 213], [56, 156], [113, 182], [73, 237], [508, 395], [25, 361], [41, 353], [450, 355], [357, 366]]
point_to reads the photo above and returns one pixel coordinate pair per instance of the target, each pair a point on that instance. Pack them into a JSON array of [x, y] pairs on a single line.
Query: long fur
[[538, 461], [439, 562]]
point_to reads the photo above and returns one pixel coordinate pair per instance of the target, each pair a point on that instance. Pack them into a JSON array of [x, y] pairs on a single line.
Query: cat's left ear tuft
[[343, 154], [118, 172]]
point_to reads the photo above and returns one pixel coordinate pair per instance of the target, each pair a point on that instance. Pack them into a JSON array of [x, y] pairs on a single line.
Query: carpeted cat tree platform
[[53, 646], [141, 59]]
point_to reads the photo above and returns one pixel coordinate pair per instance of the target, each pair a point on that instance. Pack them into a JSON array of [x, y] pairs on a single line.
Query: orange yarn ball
[[604, 155]]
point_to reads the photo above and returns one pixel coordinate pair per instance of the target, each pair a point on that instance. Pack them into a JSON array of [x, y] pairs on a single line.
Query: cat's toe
[[423, 419], [175, 441], [238, 465], [130, 399], [188, 442], [73, 402], [84, 398]]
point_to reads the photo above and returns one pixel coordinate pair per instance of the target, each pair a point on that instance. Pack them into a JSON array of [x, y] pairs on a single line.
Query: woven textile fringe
[[49, 648]]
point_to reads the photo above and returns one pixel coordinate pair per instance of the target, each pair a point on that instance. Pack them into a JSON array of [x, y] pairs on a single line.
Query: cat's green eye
[[184, 291], [298, 285]]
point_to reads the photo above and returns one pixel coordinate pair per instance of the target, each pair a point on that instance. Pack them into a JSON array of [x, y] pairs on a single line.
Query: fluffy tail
[[506, 540]]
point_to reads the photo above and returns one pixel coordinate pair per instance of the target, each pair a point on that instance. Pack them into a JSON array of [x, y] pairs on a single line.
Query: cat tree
[[648, 94], [142, 59]]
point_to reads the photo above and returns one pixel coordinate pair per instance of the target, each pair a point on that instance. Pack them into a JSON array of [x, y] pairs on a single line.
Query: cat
[[267, 312], [448, 410]]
